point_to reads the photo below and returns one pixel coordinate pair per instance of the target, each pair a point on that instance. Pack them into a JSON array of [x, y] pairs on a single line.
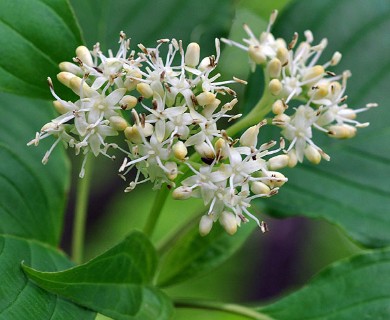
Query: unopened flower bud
[[145, 90], [205, 225], [132, 134], [292, 159], [314, 73], [274, 68], [282, 55], [60, 107], [205, 64], [275, 87], [84, 55], [276, 179], [320, 91], [64, 77], [182, 193], [71, 67], [220, 145], [131, 83], [281, 120], [157, 87], [192, 55], [278, 107], [128, 102], [312, 154], [209, 109], [256, 54], [118, 123], [229, 222], [258, 187], [205, 151], [249, 137], [344, 131], [179, 150], [205, 98], [172, 167], [80, 87], [278, 162], [48, 127]]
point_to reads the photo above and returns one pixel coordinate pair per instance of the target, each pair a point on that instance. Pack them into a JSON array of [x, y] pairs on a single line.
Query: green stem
[[82, 195], [156, 210], [218, 306], [258, 113]]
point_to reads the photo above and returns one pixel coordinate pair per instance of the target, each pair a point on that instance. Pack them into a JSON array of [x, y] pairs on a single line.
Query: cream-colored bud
[[336, 58], [179, 150], [249, 137], [80, 87], [131, 83], [145, 90], [278, 107], [220, 145], [320, 91], [132, 134], [147, 129], [209, 109], [344, 131], [128, 102], [335, 88], [205, 151], [84, 55], [276, 179], [118, 123], [312, 154], [274, 68], [256, 54], [182, 193], [282, 55], [49, 126], [205, 64], [64, 77], [278, 162], [172, 168], [229, 222], [60, 107], [205, 225], [157, 87], [275, 87], [292, 159], [314, 73], [280, 120], [258, 187], [205, 98], [192, 56], [71, 67]]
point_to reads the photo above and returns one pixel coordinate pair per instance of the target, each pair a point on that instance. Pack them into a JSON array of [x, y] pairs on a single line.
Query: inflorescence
[[169, 108]]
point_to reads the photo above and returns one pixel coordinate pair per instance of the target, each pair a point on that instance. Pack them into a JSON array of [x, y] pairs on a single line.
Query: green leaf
[[20, 299], [356, 288], [115, 283], [34, 37], [146, 21], [192, 255], [32, 195], [352, 190]]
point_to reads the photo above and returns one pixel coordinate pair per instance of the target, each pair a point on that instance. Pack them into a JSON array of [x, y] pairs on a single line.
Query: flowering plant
[[173, 122]]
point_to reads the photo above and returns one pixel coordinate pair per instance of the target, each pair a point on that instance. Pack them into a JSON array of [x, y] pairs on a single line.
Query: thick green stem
[[258, 113], [156, 210], [82, 195], [218, 306]]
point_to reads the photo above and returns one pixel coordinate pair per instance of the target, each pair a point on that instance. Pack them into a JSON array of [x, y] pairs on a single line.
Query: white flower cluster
[[168, 109], [293, 73]]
